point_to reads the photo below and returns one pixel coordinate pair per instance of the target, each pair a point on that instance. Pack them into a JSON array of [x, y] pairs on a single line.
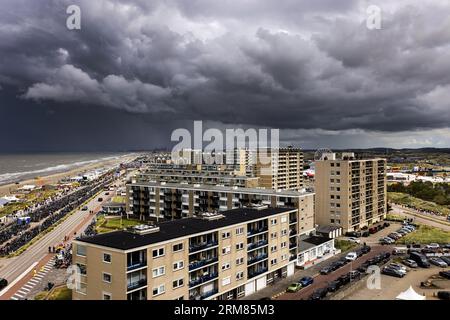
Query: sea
[[19, 167]]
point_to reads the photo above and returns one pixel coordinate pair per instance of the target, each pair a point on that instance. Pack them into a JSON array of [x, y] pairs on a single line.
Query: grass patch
[[61, 293], [118, 199], [344, 245], [41, 296], [116, 223], [395, 217], [406, 199], [426, 234]]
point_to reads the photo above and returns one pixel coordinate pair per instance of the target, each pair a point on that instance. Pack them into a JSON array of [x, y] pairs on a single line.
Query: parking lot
[[321, 281], [391, 287]]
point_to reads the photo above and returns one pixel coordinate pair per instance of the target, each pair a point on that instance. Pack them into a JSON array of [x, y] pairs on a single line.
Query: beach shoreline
[[10, 188]]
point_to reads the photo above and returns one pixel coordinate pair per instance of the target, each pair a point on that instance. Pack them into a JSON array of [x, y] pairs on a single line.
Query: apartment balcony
[[200, 280], [252, 274], [199, 264], [257, 258], [202, 246], [256, 231], [292, 245], [137, 284], [292, 221], [137, 265], [256, 245], [292, 232]]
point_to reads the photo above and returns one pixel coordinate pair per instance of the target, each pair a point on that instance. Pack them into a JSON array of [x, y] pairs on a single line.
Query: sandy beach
[[8, 189]]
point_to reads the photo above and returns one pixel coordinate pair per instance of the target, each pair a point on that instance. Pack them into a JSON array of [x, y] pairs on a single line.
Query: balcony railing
[[256, 231], [203, 279], [137, 284], [204, 295], [257, 258], [292, 220], [255, 273], [136, 265], [255, 245], [198, 264], [201, 246], [292, 245]]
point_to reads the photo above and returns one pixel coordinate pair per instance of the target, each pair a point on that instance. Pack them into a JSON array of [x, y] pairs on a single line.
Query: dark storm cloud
[[290, 64]]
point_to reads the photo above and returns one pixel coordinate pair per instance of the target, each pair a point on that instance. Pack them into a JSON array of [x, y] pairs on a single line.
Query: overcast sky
[[138, 69]]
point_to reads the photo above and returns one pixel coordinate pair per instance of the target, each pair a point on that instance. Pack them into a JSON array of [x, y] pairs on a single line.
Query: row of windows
[[161, 251]]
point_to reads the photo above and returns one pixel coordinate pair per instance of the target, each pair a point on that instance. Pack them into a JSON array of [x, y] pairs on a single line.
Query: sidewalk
[[280, 285]]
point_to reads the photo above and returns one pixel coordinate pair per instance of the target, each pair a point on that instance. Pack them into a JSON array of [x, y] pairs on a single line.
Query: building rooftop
[[290, 193], [308, 242], [125, 240]]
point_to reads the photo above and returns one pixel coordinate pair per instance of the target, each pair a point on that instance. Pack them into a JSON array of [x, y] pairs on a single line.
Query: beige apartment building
[[155, 201], [225, 255], [279, 168], [350, 192]]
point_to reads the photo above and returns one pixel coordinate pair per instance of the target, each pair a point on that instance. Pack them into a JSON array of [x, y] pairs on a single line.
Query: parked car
[[392, 272], [420, 259], [85, 208], [366, 234], [327, 269], [354, 275], [438, 262], [334, 286], [410, 263], [319, 294], [100, 199], [354, 234], [394, 236], [363, 267], [3, 283], [445, 274], [446, 259], [366, 249], [106, 193], [351, 256], [398, 267], [344, 279], [353, 239], [444, 295], [432, 246], [294, 287], [306, 281], [386, 224]]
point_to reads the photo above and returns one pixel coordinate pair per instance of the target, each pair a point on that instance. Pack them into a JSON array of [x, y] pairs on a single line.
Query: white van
[[400, 250]]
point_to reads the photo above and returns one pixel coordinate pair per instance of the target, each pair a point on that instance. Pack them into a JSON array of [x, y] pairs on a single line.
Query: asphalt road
[[421, 218], [321, 281]]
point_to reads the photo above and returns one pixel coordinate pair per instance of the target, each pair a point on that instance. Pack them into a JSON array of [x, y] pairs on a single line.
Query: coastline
[[9, 188]]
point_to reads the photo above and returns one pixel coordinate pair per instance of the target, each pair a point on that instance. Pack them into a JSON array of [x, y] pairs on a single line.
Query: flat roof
[[311, 242], [170, 230], [204, 187]]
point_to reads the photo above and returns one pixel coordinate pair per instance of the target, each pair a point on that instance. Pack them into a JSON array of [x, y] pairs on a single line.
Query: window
[[107, 258], [239, 261], [283, 232], [273, 248], [273, 262], [273, 221], [226, 235], [106, 277], [284, 219], [226, 266], [82, 268], [240, 246], [157, 272], [159, 290], [226, 250], [283, 257], [158, 252], [273, 235], [283, 244], [106, 296], [239, 231], [239, 275], [177, 247], [81, 251], [178, 265], [178, 283], [226, 281]]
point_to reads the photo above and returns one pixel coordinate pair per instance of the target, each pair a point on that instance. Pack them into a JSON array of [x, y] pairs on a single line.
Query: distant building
[[350, 192], [152, 200]]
